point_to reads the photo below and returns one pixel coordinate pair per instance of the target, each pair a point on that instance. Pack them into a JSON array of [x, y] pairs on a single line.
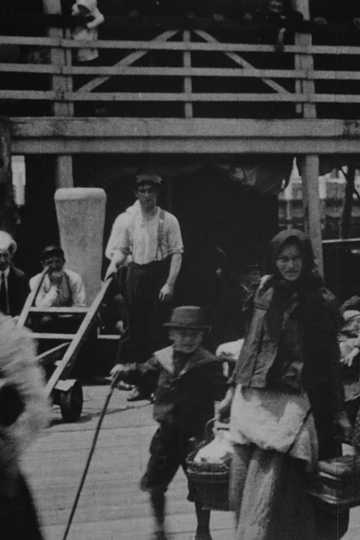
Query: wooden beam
[[133, 128], [61, 136], [178, 145], [311, 201]]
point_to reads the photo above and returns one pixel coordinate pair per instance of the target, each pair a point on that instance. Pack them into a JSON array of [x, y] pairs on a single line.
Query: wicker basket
[[211, 481], [212, 488], [337, 482]]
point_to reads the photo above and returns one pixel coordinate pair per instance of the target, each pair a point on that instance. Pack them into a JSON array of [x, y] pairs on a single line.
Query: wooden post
[[60, 84], [310, 174], [187, 80], [348, 200], [311, 203], [8, 212], [64, 172]]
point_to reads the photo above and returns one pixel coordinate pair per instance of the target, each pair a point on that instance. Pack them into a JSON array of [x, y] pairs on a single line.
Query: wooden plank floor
[[111, 506]]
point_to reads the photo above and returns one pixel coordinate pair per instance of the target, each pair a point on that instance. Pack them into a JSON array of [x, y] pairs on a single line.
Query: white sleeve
[[77, 290]]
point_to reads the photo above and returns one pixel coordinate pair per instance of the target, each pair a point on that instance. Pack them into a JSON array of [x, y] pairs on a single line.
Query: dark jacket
[[291, 344], [183, 400], [305, 353], [18, 290]]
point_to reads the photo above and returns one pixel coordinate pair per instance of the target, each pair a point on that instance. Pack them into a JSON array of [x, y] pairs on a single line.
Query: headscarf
[[284, 238], [308, 281]]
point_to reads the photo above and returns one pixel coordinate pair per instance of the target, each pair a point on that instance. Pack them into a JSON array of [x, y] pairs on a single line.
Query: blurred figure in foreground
[[24, 413]]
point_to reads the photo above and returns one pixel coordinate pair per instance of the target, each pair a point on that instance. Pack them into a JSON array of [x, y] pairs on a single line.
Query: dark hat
[[52, 250], [148, 179], [191, 317]]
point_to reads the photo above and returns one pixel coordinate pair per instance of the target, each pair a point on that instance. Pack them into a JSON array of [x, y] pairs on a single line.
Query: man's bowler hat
[[188, 317], [52, 250], [148, 179]]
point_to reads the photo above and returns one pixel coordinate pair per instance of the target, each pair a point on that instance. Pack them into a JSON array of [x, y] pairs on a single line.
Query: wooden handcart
[[59, 361]]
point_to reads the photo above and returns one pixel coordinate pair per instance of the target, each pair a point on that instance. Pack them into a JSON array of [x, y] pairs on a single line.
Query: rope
[[92, 449]]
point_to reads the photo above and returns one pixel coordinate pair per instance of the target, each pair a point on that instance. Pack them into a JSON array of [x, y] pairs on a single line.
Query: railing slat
[[145, 97], [179, 46], [182, 72]]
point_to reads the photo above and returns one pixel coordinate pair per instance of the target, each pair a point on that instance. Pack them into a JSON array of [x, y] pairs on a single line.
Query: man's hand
[[349, 358], [55, 277], [110, 271], [166, 293], [223, 411], [117, 371]]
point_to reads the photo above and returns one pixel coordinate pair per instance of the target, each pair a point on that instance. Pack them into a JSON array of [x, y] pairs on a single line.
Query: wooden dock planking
[[111, 506]]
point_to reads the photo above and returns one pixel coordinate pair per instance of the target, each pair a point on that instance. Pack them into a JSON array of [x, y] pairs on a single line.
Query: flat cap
[[145, 178]]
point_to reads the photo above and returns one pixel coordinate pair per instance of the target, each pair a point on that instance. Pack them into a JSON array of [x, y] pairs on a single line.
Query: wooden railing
[[184, 73]]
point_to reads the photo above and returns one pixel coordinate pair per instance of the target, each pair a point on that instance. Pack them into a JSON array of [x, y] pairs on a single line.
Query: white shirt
[[118, 226], [71, 291], [140, 237]]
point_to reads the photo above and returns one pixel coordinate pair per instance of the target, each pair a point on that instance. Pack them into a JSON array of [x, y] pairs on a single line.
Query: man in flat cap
[[153, 239], [14, 285], [60, 287]]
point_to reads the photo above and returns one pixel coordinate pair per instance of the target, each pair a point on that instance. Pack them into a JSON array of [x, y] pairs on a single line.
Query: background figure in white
[[89, 19]]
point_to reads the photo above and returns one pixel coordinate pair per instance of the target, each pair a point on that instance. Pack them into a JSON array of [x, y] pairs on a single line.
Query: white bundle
[[218, 451]]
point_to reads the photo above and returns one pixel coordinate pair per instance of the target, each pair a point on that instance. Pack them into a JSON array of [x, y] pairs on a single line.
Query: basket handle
[[210, 425]]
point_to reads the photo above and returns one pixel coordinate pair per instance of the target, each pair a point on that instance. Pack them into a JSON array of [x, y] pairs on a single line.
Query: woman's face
[[290, 262]]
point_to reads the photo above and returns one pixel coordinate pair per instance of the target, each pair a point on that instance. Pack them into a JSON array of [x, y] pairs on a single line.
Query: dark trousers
[[146, 313], [169, 449]]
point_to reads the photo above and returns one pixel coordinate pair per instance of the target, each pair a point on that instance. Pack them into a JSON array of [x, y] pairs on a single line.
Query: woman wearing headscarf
[[287, 402]]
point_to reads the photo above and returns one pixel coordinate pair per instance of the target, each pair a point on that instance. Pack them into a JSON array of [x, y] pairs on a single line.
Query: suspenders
[[160, 235]]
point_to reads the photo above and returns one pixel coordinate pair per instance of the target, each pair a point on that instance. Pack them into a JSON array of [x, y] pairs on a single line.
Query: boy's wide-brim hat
[[188, 317]]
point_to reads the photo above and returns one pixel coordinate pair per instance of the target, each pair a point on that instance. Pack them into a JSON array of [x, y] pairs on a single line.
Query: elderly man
[[14, 285], [60, 287], [153, 239]]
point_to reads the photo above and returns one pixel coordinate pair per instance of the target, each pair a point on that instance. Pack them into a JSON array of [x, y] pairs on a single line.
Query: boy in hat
[[153, 239], [186, 380]]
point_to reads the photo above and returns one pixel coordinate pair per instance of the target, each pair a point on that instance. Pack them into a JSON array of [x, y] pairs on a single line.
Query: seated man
[[60, 288], [14, 285]]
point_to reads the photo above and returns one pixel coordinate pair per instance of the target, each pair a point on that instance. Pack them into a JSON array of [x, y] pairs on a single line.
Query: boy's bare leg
[[203, 523], [158, 506]]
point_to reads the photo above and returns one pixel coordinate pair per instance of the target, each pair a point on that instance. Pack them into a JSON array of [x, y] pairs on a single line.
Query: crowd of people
[[284, 400]]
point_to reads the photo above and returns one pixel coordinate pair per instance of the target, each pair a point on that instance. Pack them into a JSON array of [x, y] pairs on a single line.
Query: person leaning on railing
[[89, 18]]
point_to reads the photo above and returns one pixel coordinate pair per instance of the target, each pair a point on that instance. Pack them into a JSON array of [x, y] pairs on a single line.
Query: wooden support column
[[60, 84], [187, 80], [310, 169], [8, 212], [63, 172], [311, 204]]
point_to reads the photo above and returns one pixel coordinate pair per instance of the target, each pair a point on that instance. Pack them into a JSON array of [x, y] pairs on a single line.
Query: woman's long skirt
[[268, 493]]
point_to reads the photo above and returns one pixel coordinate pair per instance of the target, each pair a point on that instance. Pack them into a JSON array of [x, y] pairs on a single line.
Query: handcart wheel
[[71, 403]]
